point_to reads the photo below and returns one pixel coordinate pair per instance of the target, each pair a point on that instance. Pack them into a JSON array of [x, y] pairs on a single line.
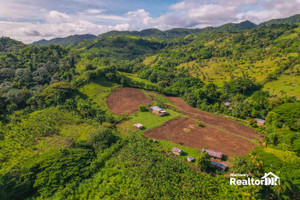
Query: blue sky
[[31, 20]]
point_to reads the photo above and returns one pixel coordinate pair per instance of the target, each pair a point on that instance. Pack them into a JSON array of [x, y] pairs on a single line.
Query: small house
[[190, 158], [227, 103], [177, 151], [214, 154], [159, 111], [138, 125], [260, 122], [219, 165]]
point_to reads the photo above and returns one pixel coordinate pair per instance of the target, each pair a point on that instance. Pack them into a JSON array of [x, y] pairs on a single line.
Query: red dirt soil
[[126, 100], [214, 120], [184, 131]]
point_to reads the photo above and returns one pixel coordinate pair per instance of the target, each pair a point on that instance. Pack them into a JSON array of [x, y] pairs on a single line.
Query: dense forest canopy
[[59, 140]]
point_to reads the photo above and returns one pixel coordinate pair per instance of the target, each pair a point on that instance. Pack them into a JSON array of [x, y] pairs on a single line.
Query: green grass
[[286, 83], [136, 78], [151, 120], [149, 60], [77, 132], [166, 146], [220, 70], [99, 91], [284, 156]]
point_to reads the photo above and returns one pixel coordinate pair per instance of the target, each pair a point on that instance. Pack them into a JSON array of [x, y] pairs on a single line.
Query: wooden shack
[[190, 158], [214, 154], [138, 125], [159, 111], [177, 151], [260, 122], [219, 165]]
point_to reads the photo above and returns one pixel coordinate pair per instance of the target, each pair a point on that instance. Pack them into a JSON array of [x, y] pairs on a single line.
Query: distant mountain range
[[172, 33], [289, 20], [67, 41], [181, 32]]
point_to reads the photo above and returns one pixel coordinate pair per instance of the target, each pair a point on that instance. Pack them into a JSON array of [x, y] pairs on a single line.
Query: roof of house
[[214, 153], [190, 158], [220, 165], [260, 120], [156, 108], [139, 125], [227, 103], [175, 149]]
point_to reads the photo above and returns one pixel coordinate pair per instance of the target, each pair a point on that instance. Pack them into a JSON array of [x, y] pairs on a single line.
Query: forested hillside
[[68, 41], [8, 45], [59, 139], [289, 20]]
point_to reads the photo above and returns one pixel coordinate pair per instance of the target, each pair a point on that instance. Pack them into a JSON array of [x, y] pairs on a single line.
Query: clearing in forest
[[184, 131], [126, 100]]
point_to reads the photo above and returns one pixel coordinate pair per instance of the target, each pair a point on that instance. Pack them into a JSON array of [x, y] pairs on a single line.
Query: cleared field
[[151, 120], [218, 133], [214, 120], [289, 84], [126, 100], [184, 131], [222, 70]]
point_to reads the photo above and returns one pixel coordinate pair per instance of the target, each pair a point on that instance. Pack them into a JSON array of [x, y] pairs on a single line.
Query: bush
[[143, 108], [199, 124], [101, 139], [203, 161]]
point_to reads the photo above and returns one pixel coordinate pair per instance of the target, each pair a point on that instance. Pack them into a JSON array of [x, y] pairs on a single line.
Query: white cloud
[[271, 10], [31, 20], [94, 11], [57, 17]]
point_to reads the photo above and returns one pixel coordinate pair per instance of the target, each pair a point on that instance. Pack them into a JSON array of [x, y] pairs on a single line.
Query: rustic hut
[[260, 122], [190, 158], [219, 165], [214, 154], [177, 151], [138, 125], [159, 111]]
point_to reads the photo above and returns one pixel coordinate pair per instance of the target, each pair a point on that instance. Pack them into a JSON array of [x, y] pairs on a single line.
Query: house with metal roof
[[159, 111], [219, 165], [177, 151], [260, 122], [214, 154], [138, 125], [227, 103], [190, 158]]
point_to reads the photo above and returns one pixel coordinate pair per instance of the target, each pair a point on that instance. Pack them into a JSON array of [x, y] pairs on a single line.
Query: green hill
[[181, 32], [289, 20], [9, 45], [123, 47], [67, 41], [59, 138]]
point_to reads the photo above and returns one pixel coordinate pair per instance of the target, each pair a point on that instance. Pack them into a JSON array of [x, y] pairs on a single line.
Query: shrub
[[143, 108], [101, 139], [199, 124]]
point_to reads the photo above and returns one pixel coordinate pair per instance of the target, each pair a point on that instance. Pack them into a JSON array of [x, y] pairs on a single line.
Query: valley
[[98, 117]]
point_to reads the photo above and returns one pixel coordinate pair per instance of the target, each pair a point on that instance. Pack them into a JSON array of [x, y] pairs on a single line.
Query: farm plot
[[126, 100], [214, 120], [184, 131]]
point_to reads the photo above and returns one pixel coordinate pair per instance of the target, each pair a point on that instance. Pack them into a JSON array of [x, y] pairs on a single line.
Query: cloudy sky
[[31, 20]]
